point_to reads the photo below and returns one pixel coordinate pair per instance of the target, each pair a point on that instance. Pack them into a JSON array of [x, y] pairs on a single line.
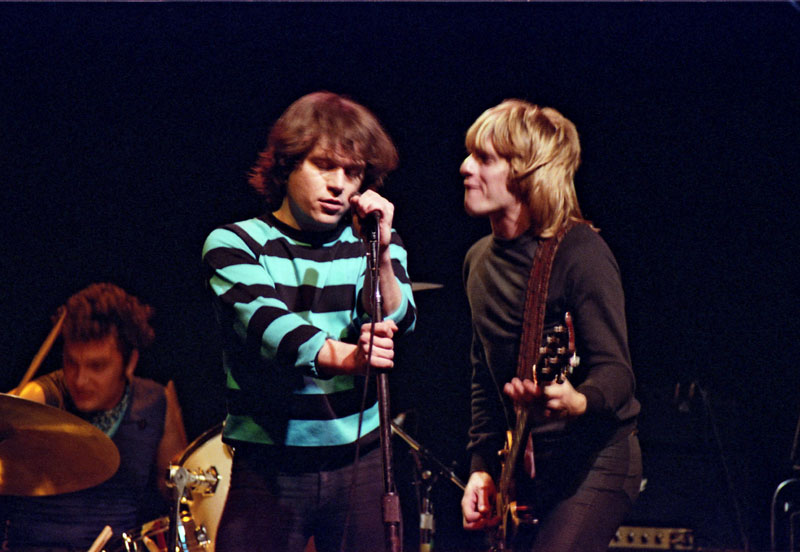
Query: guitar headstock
[[557, 356]]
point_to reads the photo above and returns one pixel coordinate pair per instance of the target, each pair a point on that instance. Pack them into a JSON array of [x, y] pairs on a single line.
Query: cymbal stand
[[427, 526], [429, 456], [427, 479]]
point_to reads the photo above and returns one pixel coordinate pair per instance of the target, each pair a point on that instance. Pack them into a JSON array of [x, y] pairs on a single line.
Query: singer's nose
[[337, 179]]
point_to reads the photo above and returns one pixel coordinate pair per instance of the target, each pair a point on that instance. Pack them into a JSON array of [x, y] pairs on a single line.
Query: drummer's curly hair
[[104, 309]]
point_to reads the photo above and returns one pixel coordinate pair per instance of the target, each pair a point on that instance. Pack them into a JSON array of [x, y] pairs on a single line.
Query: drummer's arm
[[173, 442], [33, 392]]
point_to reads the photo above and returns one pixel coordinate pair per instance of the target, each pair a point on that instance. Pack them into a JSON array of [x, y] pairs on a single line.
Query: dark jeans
[[268, 512], [585, 512]]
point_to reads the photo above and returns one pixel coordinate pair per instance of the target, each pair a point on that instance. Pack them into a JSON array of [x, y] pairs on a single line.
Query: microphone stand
[[390, 504]]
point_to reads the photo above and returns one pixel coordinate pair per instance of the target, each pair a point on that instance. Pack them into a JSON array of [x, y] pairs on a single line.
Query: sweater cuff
[[480, 462], [594, 398]]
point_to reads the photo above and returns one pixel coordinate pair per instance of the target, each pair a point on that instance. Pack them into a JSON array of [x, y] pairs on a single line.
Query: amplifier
[[652, 538]]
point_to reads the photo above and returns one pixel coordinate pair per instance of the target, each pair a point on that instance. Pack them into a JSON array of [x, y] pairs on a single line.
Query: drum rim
[[201, 439]]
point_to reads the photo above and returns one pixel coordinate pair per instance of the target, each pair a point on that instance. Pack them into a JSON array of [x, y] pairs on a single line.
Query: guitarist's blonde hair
[[543, 150]]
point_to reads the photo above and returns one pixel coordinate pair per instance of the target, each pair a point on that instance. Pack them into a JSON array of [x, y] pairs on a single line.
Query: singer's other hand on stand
[[382, 353], [338, 358]]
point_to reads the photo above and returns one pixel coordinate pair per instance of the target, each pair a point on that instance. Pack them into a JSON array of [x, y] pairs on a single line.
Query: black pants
[[582, 507], [267, 511]]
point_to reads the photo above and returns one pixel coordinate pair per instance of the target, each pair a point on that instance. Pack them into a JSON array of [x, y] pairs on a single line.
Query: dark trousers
[[267, 511], [582, 512]]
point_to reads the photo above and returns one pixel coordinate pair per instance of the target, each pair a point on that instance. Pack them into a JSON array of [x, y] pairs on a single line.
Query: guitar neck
[[517, 442]]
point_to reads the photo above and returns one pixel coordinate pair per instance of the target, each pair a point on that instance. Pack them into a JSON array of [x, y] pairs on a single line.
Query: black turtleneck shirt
[[585, 281]]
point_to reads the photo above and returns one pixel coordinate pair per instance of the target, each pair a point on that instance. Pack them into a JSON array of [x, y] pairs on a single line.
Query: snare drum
[[201, 510], [208, 453]]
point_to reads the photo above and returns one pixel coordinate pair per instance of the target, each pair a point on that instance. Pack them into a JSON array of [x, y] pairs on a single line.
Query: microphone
[[369, 225]]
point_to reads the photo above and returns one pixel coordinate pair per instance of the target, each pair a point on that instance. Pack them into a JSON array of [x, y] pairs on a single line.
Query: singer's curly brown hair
[[337, 123], [104, 309]]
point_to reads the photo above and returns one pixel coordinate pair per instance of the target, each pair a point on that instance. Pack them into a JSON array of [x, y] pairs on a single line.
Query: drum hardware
[[147, 538], [426, 480], [47, 451], [428, 455], [185, 481], [205, 481], [200, 479], [200, 482], [427, 526]]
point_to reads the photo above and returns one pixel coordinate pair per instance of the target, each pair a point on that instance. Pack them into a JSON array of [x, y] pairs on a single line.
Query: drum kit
[[200, 481], [47, 451]]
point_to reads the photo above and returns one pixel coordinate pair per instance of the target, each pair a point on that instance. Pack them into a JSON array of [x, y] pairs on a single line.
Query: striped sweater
[[279, 293]]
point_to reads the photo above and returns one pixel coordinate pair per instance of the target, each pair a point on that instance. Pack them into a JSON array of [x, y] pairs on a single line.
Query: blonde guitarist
[[579, 470]]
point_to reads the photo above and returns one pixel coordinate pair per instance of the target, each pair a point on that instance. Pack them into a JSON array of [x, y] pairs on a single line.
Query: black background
[[127, 130]]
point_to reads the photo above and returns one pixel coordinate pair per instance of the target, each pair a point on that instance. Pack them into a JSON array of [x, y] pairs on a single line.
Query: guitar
[[556, 359]]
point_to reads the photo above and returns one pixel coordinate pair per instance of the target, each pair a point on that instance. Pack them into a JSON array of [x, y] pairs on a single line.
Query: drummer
[[103, 331]]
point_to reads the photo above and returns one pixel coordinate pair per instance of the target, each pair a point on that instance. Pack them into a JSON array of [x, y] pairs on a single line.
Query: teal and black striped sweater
[[279, 293]]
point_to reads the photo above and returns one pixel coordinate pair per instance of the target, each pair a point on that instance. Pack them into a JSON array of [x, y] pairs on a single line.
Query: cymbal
[[424, 286], [46, 451]]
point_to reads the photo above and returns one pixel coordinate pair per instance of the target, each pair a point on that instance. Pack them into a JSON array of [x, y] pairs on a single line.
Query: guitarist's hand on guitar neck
[[478, 502], [552, 400]]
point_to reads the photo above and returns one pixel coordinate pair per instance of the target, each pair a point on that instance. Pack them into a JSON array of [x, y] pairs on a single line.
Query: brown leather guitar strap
[[533, 320], [535, 302]]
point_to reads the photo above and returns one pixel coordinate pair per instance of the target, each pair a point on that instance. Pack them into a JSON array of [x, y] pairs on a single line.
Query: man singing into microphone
[[291, 296]]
